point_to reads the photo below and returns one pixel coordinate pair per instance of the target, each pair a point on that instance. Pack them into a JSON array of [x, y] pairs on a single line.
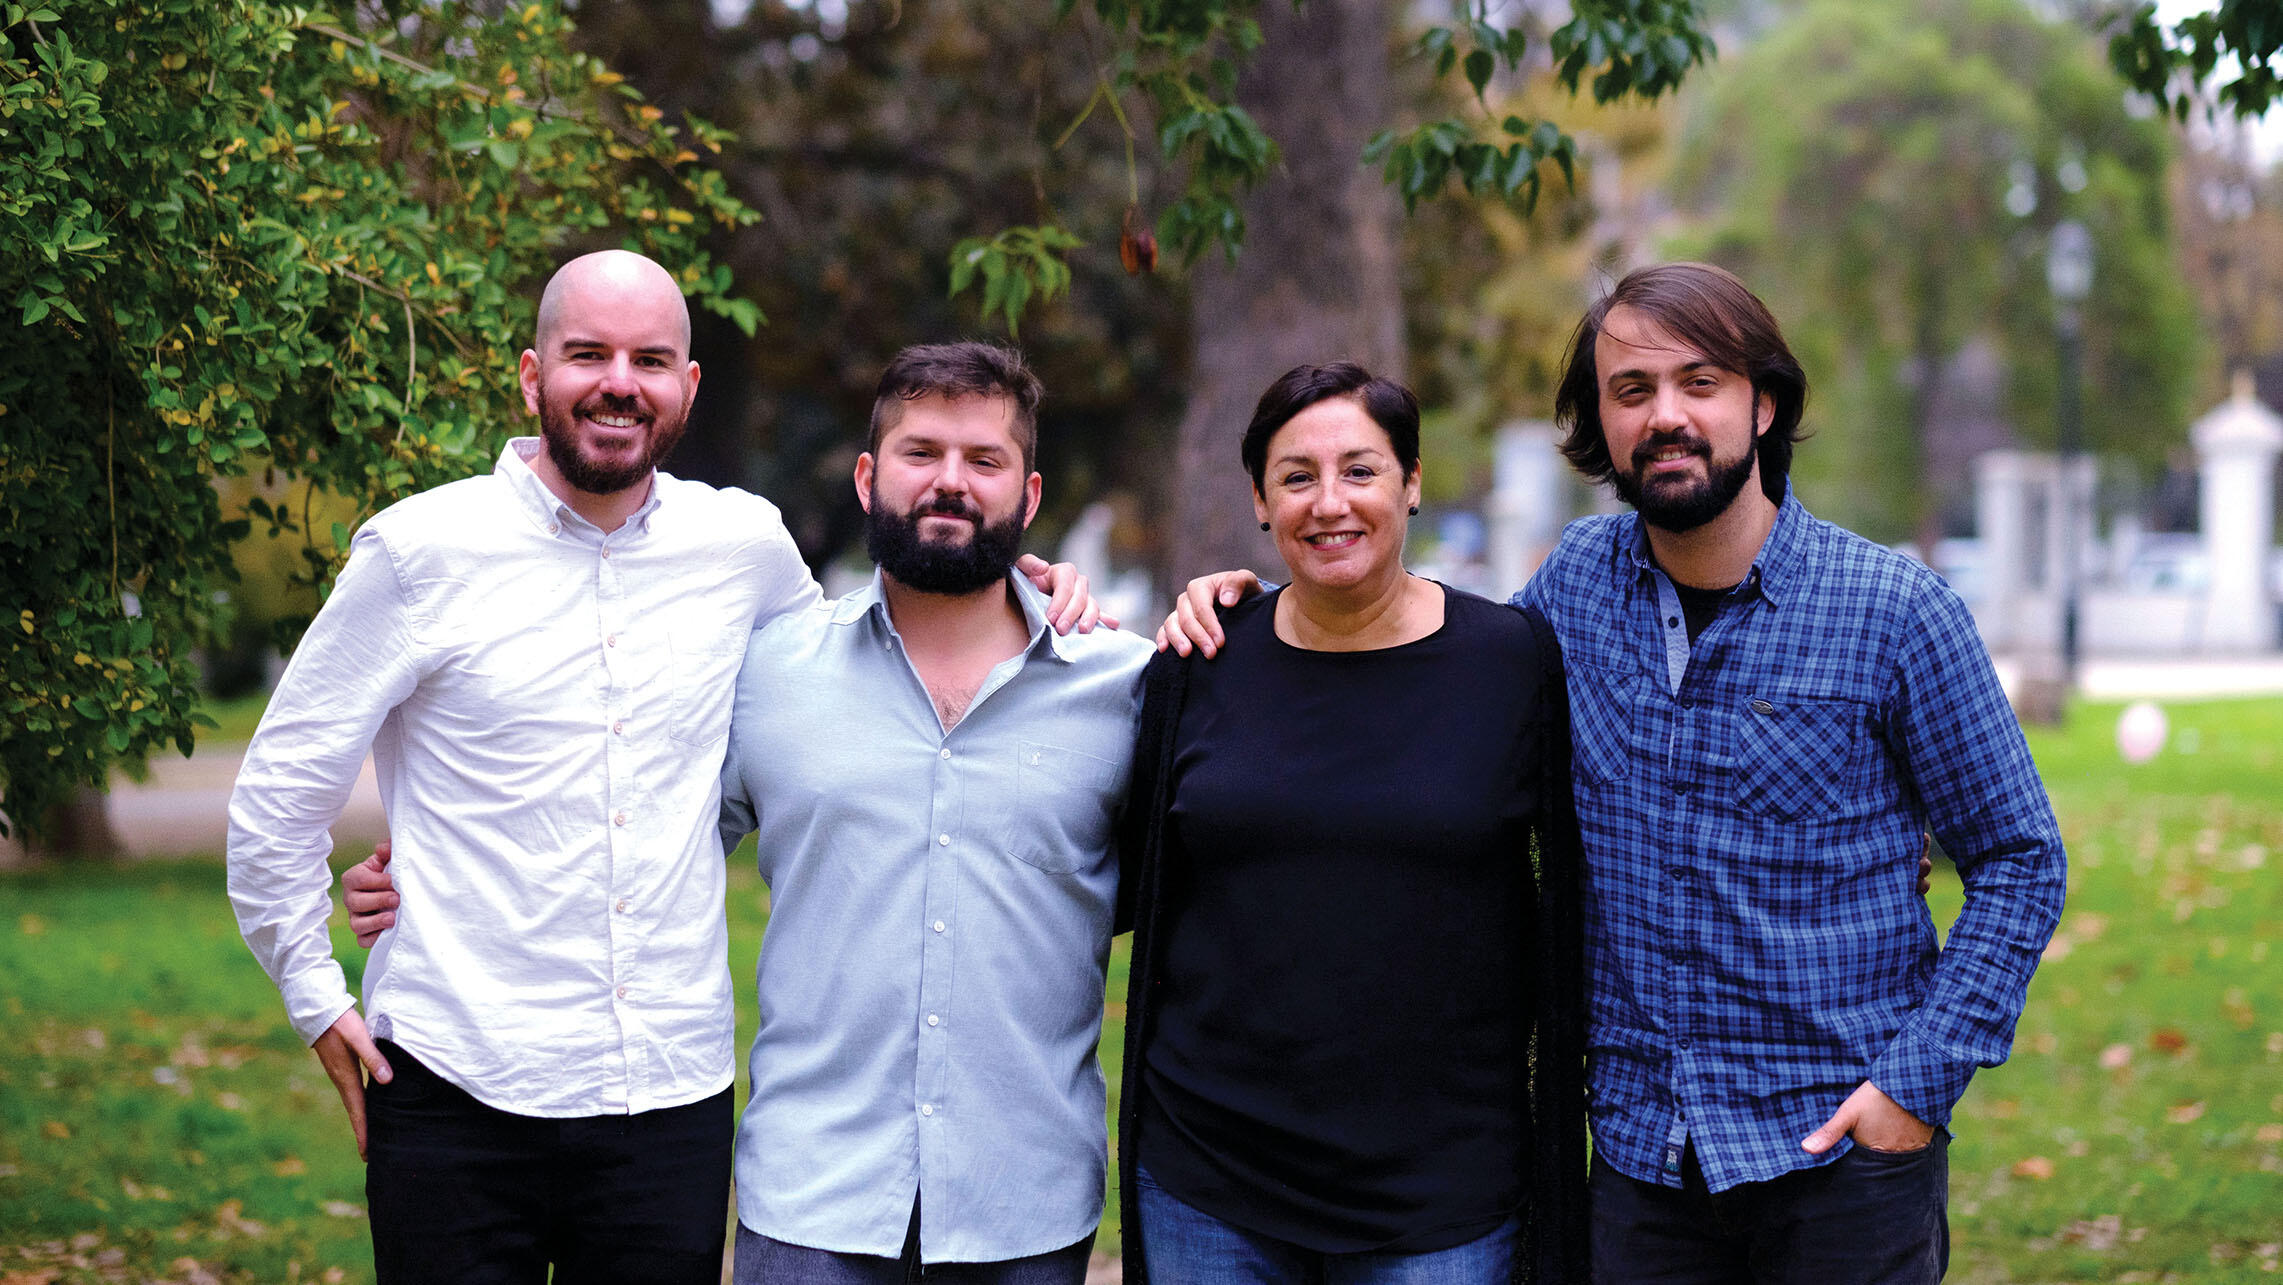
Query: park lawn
[[159, 1121]]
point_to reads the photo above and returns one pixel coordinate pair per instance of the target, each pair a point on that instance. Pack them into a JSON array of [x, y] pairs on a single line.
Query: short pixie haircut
[[952, 371], [1708, 309], [1390, 405]]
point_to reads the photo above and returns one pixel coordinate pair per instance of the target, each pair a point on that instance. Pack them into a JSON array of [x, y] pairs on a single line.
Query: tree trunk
[[1317, 279], [78, 828]]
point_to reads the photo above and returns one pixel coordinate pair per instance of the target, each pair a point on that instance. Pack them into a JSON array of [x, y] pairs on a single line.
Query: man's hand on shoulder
[[1873, 1120], [370, 895], [346, 1051], [1069, 604], [1195, 621]]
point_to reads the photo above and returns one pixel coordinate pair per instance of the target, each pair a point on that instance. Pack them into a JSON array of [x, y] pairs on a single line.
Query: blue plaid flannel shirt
[[1752, 807]]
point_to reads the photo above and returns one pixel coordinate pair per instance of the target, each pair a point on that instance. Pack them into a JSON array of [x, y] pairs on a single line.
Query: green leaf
[[1479, 64]]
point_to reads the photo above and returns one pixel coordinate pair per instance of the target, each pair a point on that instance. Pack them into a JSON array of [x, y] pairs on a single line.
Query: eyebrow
[[648, 350], [1686, 368], [1357, 453]]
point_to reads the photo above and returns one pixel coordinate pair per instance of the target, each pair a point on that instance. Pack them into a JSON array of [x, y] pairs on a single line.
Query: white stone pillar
[[1526, 510], [2001, 523], [2237, 444]]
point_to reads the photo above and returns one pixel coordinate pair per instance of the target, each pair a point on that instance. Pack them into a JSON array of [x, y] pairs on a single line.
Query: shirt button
[[624, 905], [622, 992], [933, 1020], [606, 553], [619, 819], [554, 528], [1684, 1042], [1671, 621], [943, 840], [939, 925], [944, 753], [610, 640], [618, 728], [927, 1108]]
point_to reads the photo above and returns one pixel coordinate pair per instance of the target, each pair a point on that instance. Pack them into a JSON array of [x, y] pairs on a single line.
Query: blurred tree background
[[1885, 172]]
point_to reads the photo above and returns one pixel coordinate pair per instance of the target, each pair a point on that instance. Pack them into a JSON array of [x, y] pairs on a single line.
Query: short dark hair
[[1707, 308], [1390, 405], [966, 369]]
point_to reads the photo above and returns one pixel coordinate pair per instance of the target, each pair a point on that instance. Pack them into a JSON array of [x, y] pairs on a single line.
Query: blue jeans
[[1867, 1218], [1187, 1246]]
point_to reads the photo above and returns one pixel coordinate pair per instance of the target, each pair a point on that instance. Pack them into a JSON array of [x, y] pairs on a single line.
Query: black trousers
[[1867, 1218], [466, 1193]]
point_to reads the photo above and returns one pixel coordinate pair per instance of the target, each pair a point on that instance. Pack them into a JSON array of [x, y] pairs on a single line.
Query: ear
[[1033, 487], [1259, 507], [1763, 413], [864, 480], [1411, 489], [691, 395], [527, 374]]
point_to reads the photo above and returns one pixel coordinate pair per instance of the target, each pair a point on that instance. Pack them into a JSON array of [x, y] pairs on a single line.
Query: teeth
[[615, 421]]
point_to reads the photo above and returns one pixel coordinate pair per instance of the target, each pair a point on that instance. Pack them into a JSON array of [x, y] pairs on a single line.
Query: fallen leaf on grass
[[289, 1167], [194, 1273], [40, 1276], [343, 1209], [2269, 1133], [2165, 1039], [2098, 1234], [56, 1129], [2184, 1112], [229, 1222], [2034, 1168], [31, 925], [2116, 1057]]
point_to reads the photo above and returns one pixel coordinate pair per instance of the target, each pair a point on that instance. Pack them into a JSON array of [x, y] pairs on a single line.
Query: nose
[[1665, 409], [618, 377]]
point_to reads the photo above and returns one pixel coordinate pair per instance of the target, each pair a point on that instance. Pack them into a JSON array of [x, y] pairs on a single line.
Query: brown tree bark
[[1317, 280], [80, 828]]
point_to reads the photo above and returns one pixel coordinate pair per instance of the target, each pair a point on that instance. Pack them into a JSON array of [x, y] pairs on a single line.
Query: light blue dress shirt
[[931, 979]]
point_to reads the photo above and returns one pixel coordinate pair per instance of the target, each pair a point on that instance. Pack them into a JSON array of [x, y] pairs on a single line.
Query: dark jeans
[[763, 1261], [469, 1194], [1867, 1218]]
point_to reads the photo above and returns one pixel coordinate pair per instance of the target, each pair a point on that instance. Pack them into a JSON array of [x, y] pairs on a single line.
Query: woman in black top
[[1354, 1033]]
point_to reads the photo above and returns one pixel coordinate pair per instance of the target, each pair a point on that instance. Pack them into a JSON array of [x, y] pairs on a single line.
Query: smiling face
[[610, 378], [1336, 498], [1681, 431], [946, 498]]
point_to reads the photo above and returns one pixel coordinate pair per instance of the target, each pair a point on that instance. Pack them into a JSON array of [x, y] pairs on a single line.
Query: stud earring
[[1264, 526], [1414, 510]]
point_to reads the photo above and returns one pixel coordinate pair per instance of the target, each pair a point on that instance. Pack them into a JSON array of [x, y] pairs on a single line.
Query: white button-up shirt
[[546, 707]]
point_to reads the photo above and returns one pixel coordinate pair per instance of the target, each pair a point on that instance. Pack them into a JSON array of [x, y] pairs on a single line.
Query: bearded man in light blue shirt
[[933, 774]]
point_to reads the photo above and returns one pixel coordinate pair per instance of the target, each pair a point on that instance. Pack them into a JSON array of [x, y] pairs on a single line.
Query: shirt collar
[[872, 600], [543, 506], [1783, 555]]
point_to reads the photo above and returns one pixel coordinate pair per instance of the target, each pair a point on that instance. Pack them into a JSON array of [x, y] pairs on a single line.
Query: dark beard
[[562, 438], [930, 566], [1678, 509]]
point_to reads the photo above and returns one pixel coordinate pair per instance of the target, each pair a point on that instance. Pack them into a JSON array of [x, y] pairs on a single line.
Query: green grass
[[158, 1120]]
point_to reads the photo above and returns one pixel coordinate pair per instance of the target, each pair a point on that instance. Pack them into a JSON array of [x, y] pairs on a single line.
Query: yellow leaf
[[605, 79], [56, 1129], [82, 658], [680, 217], [2034, 1168], [31, 925], [290, 1167], [26, 621], [647, 113], [434, 277]]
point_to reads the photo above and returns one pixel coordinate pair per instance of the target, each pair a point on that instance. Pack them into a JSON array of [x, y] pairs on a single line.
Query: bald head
[[604, 283]]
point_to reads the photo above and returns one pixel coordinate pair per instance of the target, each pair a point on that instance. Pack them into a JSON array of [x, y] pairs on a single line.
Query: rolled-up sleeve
[[358, 661], [1963, 752]]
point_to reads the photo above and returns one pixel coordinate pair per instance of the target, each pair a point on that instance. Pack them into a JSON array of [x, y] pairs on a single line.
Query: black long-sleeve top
[[1355, 1018]]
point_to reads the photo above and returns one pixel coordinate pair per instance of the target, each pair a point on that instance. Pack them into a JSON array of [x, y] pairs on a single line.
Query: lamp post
[[2069, 275]]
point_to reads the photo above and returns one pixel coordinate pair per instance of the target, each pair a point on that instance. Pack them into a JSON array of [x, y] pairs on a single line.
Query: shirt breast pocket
[[1798, 758], [1601, 722], [701, 670], [1059, 817]]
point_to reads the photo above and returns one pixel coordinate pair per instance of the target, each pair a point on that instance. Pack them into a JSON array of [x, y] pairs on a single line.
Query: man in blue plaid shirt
[[1769, 713]]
